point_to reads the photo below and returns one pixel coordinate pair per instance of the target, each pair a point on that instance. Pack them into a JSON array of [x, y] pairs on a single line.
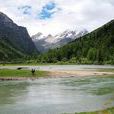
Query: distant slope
[[96, 47], [8, 52], [14, 40]]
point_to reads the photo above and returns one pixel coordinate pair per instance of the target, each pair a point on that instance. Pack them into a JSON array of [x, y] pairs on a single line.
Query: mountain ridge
[[96, 47], [15, 37], [44, 43]]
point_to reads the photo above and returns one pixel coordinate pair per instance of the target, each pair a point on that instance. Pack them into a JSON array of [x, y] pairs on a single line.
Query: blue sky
[[55, 16], [47, 11]]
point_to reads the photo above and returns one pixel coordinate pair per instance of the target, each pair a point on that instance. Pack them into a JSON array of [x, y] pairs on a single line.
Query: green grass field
[[107, 111], [21, 73], [106, 70]]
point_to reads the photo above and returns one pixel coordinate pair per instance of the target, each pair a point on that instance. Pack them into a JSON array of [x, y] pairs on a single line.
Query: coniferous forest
[[96, 47], [16, 46]]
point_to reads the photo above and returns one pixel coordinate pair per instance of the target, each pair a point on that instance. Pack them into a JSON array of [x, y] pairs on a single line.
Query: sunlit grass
[[107, 111], [21, 73], [106, 70]]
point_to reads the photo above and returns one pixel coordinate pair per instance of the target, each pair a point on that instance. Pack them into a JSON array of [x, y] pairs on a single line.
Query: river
[[56, 95], [59, 67]]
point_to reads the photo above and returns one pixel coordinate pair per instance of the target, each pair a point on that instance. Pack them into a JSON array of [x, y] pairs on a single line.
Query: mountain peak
[[17, 36], [49, 35], [4, 18], [44, 43]]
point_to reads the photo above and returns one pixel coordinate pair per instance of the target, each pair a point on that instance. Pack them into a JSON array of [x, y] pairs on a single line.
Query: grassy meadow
[[21, 73]]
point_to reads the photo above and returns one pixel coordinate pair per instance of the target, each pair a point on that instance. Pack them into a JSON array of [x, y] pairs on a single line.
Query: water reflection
[[59, 95], [10, 91]]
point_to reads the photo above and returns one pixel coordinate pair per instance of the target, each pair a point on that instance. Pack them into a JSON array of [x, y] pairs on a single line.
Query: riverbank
[[80, 73], [15, 74], [107, 111]]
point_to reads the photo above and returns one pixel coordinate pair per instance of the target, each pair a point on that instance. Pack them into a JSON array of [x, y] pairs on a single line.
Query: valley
[[72, 71]]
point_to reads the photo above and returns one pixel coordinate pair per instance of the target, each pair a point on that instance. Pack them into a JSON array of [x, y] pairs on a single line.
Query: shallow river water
[[60, 67], [56, 95]]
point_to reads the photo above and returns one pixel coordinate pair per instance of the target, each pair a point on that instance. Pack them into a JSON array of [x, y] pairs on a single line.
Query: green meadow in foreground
[[107, 111], [21, 73]]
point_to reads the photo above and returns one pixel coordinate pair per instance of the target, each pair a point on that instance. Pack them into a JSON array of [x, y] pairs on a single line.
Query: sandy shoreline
[[78, 73], [62, 74]]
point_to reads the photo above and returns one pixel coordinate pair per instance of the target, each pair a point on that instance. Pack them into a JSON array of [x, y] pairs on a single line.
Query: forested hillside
[[8, 52], [96, 47], [15, 41]]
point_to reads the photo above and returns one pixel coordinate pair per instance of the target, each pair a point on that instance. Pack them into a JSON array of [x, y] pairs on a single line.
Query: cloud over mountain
[[54, 16]]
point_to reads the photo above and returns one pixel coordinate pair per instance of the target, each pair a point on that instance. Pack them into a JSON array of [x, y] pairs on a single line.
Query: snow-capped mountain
[[44, 43]]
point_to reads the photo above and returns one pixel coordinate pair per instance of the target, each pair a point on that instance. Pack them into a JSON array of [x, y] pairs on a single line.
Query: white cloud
[[74, 14]]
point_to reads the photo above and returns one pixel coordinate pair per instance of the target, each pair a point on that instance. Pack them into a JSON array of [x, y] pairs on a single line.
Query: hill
[[15, 41], [96, 47]]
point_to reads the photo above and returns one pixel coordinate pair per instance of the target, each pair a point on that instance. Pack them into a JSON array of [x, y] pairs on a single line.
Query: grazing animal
[[33, 71], [19, 68]]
